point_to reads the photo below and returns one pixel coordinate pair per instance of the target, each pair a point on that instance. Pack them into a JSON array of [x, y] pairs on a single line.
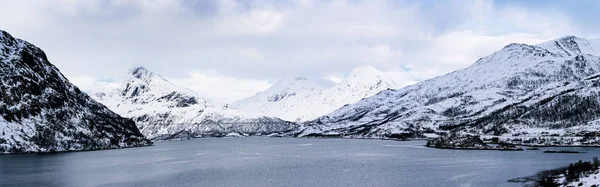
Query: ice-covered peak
[[571, 46], [145, 86], [364, 70], [150, 78], [5, 36], [295, 83], [570, 38], [140, 71], [513, 46], [369, 76], [289, 87], [9, 43], [291, 81], [301, 99], [294, 79], [515, 52]]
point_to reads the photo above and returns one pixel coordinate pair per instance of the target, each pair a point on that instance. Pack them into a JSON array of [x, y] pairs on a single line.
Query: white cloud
[[74, 7], [217, 87], [252, 53], [464, 47], [91, 84], [261, 21], [491, 28], [402, 78], [378, 54], [255, 42], [334, 78], [235, 20]]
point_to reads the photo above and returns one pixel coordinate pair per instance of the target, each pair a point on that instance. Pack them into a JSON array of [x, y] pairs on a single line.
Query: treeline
[[572, 173], [576, 170], [561, 111]]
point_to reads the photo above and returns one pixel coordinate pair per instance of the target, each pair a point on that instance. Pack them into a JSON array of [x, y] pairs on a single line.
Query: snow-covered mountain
[[43, 112], [521, 90], [302, 99], [162, 110]]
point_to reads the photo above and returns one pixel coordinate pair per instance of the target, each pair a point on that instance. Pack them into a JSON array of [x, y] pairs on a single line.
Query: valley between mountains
[[536, 95]]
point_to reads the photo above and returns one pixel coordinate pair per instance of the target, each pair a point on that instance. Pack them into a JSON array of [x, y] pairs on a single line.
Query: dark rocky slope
[[43, 112]]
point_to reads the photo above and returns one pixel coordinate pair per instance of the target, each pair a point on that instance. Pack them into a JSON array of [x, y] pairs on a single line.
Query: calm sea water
[[261, 161]]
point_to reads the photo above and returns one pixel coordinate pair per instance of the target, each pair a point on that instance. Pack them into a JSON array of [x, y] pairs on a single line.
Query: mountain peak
[[302, 99], [513, 45], [4, 34], [40, 99], [571, 46], [144, 86], [301, 78], [572, 42], [569, 38], [365, 69], [519, 90], [292, 80], [8, 40], [367, 75], [140, 72], [147, 76], [294, 84]]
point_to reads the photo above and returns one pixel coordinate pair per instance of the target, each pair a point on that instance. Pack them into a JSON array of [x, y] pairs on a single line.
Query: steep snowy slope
[[43, 112], [163, 110], [301, 99], [519, 90]]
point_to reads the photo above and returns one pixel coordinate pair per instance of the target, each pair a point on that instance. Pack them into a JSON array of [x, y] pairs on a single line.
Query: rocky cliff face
[[43, 112], [163, 110], [533, 90]]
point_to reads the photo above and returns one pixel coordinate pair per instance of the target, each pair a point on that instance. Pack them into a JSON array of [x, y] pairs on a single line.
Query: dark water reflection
[[281, 162]]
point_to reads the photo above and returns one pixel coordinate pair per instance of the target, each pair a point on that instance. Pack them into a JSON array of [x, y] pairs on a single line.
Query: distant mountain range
[[163, 110], [551, 88], [519, 93], [43, 112], [301, 99]]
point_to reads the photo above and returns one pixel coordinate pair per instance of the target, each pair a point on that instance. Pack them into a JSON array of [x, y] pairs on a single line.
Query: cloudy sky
[[228, 49]]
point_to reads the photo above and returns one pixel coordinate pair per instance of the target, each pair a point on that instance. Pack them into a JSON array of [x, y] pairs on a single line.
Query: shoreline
[[559, 176], [374, 138], [480, 149], [342, 138], [73, 151]]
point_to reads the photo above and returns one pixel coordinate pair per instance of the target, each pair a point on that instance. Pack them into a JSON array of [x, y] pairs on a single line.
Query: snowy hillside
[[43, 112], [302, 99], [521, 90], [163, 110]]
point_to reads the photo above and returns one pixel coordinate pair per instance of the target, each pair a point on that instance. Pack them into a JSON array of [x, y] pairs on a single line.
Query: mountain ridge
[[305, 99], [164, 110], [480, 98]]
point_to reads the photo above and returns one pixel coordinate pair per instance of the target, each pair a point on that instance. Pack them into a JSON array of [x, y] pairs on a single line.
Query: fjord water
[[261, 161]]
